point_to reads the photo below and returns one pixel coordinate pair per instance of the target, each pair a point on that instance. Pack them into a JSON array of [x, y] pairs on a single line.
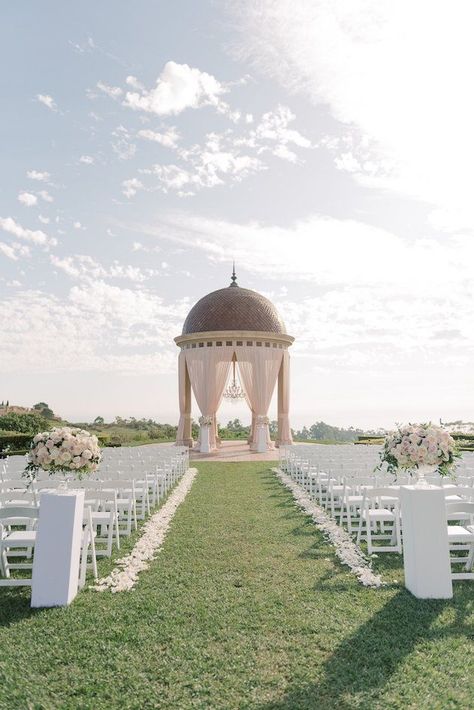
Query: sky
[[327, 147]]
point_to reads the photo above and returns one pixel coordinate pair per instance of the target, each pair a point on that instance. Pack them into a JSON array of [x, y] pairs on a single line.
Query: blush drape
[[208, 371], [259, 369]]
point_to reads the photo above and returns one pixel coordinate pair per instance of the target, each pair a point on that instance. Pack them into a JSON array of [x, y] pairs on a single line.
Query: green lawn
[[245, 607]]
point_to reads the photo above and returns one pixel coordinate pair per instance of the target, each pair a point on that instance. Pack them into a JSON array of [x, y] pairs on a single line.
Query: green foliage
[[322, 431], [28, 423], [234, 429], [44, 409], [14, 441]]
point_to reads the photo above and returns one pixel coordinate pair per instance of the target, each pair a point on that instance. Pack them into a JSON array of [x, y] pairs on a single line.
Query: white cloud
[[114, 92], [131, 187], [8, 224], [115, 330], [379, 69], [44, 194], [134, 83], [77, 225], [36, 175], [229, 156], [359, 298], [86, 268], [27, 199], [87, 159], [14, 251], [168, 138], [47, 101], [122, 144], [43, 219], [178, 87]]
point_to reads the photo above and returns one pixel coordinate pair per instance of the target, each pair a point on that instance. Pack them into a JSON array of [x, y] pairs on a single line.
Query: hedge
[[15, 441]]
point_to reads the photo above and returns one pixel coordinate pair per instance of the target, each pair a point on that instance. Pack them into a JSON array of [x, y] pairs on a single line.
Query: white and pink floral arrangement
[[418, 446], [64, 450]]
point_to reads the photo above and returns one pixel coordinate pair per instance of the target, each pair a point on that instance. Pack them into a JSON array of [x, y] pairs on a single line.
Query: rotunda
[[240, 327]]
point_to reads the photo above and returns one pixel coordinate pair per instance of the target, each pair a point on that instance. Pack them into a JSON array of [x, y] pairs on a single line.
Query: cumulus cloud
[[87, 159], [115, 330], [86, 268], [37, 175], [8, 224], [44, 194], [368, 295], [27, 199], [14, 251], [227, 157], [178, 87], [47, 101], [113, 92], [168, 138]]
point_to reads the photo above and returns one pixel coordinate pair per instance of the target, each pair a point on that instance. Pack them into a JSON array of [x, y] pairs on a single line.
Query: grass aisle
[[246, 607]]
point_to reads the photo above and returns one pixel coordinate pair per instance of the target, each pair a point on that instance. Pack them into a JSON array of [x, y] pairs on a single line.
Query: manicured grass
[[245, 607]]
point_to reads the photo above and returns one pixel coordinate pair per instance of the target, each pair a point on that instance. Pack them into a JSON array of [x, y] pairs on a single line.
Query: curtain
[[284, 431], [209, 370], [259, 367]]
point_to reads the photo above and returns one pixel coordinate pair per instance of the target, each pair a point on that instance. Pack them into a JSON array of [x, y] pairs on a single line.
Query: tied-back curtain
[[181, 395], [209, 370], [259, 367], [284, 431]]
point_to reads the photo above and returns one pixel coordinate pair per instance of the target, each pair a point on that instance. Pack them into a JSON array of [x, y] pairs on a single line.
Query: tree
[[98, 421], [30, 423]]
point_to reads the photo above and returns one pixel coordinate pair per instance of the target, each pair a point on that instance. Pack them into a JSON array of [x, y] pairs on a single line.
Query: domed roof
[[233, 308]]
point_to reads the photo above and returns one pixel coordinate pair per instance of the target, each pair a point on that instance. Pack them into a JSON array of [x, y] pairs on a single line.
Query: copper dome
[[233, 308]]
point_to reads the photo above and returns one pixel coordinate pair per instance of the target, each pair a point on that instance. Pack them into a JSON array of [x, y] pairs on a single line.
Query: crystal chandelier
[[234, 391]]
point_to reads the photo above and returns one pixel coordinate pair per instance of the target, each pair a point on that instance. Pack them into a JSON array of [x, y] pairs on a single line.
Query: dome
[[233, 308]]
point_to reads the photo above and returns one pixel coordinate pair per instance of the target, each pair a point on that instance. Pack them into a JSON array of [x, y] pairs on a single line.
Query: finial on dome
[[234, 277]]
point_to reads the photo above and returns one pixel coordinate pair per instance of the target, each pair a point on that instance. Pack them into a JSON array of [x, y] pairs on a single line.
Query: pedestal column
[[425, 542], [58, 548]]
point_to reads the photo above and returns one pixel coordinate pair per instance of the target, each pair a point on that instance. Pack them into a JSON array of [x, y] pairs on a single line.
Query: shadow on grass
[[362, 665], [15, 605]]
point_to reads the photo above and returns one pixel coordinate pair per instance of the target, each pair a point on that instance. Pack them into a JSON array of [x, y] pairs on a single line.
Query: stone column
[[284, 437], [184, 436]]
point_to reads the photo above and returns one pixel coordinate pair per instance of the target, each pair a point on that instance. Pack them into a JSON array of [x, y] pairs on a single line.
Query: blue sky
[[327, 148]]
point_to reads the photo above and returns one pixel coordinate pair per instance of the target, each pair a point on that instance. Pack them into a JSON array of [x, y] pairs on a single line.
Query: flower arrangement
[[419, 445], [205, 420], [64, 449]]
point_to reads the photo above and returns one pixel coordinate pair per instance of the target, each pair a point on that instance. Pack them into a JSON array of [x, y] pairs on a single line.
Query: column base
[[185, 442]]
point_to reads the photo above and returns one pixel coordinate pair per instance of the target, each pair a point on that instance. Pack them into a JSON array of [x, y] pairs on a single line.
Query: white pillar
[[425, 542], [58, 548], [205, 439], [261, 438]]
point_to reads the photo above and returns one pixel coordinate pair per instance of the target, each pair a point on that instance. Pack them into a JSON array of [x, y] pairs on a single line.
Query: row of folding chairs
[[115, 500], [367, 502]]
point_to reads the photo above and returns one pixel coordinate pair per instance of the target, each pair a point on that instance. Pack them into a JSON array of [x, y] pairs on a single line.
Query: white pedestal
[[58, 548], [205, 442], [425, 542], [261, 439]]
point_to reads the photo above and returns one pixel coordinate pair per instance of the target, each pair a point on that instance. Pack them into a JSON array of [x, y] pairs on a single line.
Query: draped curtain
[[209, 370], [259, 367]]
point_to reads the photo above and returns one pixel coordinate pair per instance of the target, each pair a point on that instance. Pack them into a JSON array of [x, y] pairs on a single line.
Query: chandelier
[[234, 391]]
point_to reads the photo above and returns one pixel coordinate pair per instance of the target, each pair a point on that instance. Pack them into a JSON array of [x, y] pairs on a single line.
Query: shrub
[[24, 423], [14, 441]]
